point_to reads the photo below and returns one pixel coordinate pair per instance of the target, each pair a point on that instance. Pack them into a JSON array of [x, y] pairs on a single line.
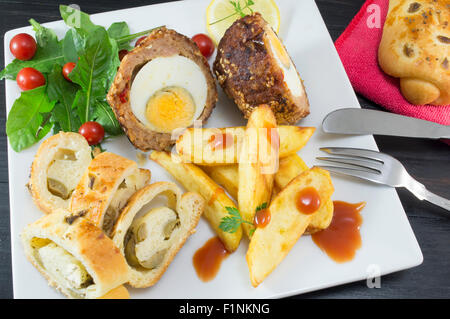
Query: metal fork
[[379, 168]]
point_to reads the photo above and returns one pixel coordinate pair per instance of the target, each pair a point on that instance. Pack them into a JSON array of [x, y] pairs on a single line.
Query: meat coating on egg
[[160, 43], [251, 75]]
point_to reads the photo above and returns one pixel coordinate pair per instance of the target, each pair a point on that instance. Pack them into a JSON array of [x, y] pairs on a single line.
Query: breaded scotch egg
[[254, 68], [162, 85]]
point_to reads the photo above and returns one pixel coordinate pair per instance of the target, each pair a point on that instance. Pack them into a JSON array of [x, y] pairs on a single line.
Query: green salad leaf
[[65, 92], [78, 20], [71, 45], [28, 121], [118, 30], [48, 53], [104, 115], [93, 70], [61, 104]]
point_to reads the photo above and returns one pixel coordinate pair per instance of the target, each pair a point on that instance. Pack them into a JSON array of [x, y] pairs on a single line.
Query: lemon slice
[[219, 15]]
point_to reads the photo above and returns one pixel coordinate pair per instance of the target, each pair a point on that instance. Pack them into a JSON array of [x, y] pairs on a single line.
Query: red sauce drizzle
[[216, 194], [262, 218], [308, 200], [342, 238], [207, 259], [221, 141], [272, 136]]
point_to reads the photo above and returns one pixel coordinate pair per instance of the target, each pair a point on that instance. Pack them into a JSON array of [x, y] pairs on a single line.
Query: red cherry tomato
[[139, 40], [93, 132], [204, 43], [67, 68], [122, 54], [29, 78], [23, 46]]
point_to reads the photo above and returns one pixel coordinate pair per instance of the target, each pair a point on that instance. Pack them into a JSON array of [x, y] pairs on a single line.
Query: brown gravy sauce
[[262, 218], [208, 258], [308, 200], [342, 238]]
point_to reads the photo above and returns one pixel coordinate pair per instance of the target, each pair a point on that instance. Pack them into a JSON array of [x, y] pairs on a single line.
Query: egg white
[[291, 77], [162, 72]]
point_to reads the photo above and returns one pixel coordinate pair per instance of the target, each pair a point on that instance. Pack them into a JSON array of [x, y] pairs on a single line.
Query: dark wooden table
[[428, 161]]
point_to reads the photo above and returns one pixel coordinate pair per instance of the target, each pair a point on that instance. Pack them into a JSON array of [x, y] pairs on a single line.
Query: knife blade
[[363, 121]]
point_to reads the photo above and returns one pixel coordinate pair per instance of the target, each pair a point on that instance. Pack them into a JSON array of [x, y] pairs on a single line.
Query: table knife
[[363, 121]]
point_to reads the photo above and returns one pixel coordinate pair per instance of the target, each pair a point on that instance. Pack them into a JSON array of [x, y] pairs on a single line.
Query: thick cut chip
[[195, 180], [289, 167], [269, 245], [258, 163], [213, 146]]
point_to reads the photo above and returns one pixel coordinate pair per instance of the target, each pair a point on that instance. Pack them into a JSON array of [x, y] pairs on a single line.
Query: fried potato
[[226, 176], [199, 145], [257, 163], [196, 180], [290, 167], [269, 245]]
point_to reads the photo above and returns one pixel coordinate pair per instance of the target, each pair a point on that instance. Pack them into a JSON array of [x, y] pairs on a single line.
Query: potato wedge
[[258, 163], [226, 176], [195, 180], [269, 245], [289, 167], [199, 145]]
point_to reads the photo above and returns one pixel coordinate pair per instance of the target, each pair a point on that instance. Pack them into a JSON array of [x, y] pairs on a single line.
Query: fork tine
[[373, 177], [371, 166], [355, 152]]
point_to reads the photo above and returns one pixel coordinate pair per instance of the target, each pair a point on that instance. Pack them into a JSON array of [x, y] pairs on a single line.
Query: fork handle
[[422, 193]]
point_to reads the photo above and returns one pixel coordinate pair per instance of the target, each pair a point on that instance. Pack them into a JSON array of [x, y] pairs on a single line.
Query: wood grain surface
[[428, 161]]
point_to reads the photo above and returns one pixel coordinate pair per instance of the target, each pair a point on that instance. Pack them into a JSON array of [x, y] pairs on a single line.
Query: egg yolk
[[279, 49], [170, 108]]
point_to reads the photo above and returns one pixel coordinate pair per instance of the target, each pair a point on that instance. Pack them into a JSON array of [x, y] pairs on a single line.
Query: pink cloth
[[358, 49]]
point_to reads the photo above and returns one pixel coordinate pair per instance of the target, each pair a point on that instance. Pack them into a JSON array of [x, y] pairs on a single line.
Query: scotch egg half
[[162, 85], [254, 68]]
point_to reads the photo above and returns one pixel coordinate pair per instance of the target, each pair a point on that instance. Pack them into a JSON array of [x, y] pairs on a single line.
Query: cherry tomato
[[122, 53], [23, 46], [204, 43], [139, 40], [93, 132], [67, 68], [29, 78]]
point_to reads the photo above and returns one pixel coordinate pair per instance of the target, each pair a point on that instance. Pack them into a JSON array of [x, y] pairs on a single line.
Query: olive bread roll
[[105, 188], [56, 170], [151, 237], [74, 256], [415, 47]]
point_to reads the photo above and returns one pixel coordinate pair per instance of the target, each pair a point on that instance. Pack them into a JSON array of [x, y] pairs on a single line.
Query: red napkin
[[358, 49]]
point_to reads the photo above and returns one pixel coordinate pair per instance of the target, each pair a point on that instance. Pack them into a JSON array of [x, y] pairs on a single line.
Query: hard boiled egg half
[[168, 92]]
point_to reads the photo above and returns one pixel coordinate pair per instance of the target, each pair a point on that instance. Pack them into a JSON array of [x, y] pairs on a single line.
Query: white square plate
[[388, 243]]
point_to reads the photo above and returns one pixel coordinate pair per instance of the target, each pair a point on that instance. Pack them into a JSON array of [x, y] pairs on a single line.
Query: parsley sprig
[[238, 9], [232, 222]]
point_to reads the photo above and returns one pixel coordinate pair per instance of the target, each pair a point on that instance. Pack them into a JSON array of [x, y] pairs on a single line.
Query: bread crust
[[189, 207], [415, 47], [249, 74], [117, 293], [100, 182], [160, 43], [87, 243], [42, 197]]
